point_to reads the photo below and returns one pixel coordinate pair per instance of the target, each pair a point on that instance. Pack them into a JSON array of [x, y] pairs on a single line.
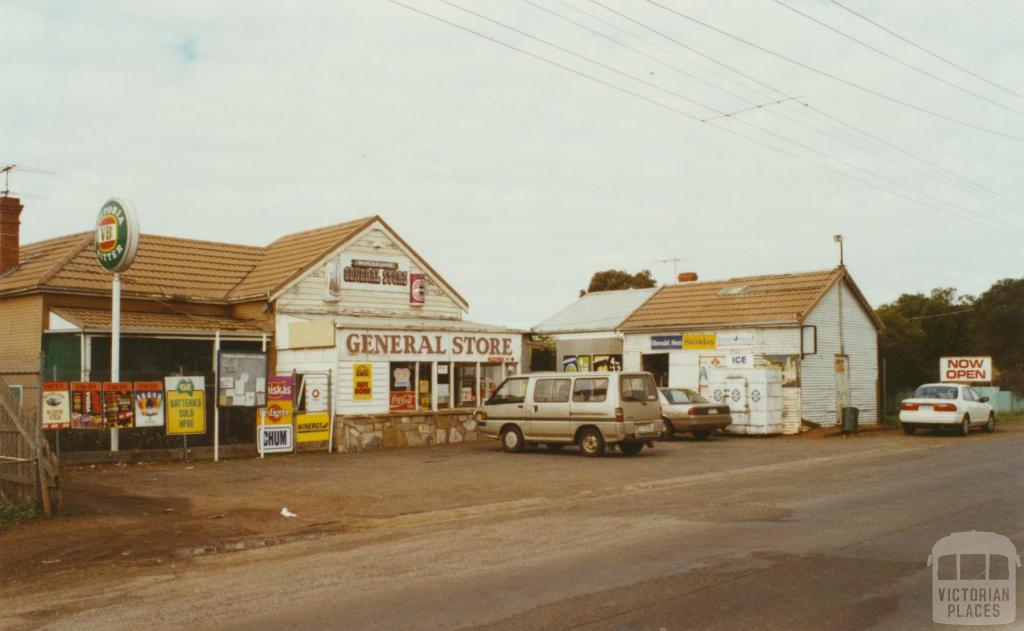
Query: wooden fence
[[28, 470]]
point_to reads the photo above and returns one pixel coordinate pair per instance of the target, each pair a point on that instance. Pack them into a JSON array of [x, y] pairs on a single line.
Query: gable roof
[[291, 255], [781, 299], [596, 311], [189, 269]]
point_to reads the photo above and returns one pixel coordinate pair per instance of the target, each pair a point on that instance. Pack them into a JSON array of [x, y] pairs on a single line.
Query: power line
[[690, 116], [940, 315], [834, 77], [806, 105], [896, 59], [925, 50]]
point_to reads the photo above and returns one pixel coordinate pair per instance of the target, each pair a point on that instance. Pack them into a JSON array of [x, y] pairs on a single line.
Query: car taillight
[[910, 407], [695, 412], [619, 416], [944, 407]]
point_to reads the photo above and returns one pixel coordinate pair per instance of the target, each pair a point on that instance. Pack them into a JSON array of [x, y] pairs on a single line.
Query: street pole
[[115, 348], [261, 412], [216, 402]]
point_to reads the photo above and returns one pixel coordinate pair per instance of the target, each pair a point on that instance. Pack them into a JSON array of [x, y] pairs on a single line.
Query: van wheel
[[591, 442], [512, 440], [909, 429], [965, 426], [630, 448], [555, 446], [991, 425], [702, 435]]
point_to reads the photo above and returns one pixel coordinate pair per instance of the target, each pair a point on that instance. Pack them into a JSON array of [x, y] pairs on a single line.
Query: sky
[[518, 178]]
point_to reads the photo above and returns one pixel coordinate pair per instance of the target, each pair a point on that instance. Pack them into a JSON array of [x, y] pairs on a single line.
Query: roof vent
[[735, 290]]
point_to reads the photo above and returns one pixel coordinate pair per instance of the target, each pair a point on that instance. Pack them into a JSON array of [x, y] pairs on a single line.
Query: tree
[[997, 329], [615, 279]]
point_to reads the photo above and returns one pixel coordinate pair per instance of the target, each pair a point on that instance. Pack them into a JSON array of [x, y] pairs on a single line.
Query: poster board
[[312, 427], [362, 382], [149, 403], [186, 405], [56, 405], [280, 400], [118, 405], [86, 405], [241, 379]]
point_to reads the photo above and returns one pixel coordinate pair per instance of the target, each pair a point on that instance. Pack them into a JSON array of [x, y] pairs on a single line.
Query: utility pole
[[838, 238]]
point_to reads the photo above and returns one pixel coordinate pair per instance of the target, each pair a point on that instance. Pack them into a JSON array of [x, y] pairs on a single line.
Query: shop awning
[[148, 323]]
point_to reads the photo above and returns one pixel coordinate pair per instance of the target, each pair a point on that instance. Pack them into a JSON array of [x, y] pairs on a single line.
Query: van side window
[[638, 388], [511, 391], [590, 390], [551, 391]]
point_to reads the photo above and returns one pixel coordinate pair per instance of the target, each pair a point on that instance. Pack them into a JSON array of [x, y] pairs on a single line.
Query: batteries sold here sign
[[975, 369]]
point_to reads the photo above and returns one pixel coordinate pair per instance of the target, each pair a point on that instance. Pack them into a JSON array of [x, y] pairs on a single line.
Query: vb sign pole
[[116, 241]]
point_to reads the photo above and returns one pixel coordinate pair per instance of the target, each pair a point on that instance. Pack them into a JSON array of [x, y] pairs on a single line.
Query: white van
[[593, 410]]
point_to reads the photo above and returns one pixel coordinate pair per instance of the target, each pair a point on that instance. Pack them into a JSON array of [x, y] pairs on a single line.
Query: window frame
[[493, 399], [554, 388], [579, 380]]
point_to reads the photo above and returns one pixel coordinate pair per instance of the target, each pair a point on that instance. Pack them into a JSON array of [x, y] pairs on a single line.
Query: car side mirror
[[984, 399]]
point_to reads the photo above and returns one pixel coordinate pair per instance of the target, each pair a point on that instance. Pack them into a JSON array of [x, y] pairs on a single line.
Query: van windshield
[[638, 388]]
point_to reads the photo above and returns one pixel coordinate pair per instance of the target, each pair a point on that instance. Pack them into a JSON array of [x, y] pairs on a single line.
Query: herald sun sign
[[973, 369]]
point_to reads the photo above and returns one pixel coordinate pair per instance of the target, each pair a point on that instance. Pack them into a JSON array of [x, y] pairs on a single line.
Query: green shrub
[[13, 513]]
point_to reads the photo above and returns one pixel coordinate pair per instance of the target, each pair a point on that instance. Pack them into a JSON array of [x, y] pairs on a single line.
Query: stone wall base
[[355, 433]]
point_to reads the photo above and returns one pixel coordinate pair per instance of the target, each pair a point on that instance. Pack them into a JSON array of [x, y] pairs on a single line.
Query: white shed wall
[[817, 371]]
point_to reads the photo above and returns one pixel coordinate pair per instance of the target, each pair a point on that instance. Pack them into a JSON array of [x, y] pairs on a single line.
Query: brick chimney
[[10, 228]]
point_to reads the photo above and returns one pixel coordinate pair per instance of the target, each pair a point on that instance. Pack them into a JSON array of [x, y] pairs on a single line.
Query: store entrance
[[657, 365]]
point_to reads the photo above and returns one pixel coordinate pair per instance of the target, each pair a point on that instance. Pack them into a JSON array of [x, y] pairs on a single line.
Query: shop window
[[551, 391], [511, 391], [590, 390], [465, 394], [490, 376], [402, 393]]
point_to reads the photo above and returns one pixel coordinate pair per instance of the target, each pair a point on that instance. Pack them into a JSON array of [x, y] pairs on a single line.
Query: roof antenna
[[7, 179]]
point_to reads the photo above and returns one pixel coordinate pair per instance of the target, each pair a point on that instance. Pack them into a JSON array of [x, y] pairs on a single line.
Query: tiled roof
[[750, 300], [146, 322], [183, 269], [597, 311], [291, 255]]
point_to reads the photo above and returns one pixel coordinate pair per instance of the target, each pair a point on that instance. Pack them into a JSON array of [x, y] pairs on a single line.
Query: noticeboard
[[241, 379]]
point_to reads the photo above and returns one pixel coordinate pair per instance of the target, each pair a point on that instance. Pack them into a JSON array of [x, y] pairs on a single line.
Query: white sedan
[[939, 405]]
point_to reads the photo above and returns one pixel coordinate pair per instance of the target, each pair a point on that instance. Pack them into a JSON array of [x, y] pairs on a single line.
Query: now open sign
[[973, 369]]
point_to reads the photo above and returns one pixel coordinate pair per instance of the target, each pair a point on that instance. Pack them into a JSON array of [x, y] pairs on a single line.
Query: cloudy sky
[[518, 178]]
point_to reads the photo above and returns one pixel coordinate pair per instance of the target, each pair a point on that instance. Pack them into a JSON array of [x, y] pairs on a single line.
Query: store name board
[[377, 344], [700, 341], [666, 342], [972, 369], [385, 273]]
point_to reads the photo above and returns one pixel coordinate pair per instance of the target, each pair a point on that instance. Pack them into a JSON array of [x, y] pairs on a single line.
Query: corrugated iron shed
[[597, 311]]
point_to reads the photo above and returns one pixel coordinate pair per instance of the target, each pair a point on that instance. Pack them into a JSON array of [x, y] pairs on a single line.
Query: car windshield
[[682, 395], [936, 392]]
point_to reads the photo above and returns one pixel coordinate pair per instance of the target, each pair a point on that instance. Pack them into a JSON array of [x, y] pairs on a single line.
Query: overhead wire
[[832, 76], [895, 59], [980, 189], [925, 50], [1016, 230]]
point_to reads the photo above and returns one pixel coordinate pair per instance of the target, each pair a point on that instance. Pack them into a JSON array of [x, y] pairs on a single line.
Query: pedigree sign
[[442, 346], [972, 369]]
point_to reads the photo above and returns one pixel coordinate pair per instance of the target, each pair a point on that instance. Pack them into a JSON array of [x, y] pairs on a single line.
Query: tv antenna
[[7, 179], [675, 263]]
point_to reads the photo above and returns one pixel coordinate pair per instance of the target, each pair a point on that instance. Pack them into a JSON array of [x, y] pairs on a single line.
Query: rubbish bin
[[850, 420]]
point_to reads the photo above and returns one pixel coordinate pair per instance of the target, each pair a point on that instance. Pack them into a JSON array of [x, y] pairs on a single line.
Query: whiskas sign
[[972, 369]]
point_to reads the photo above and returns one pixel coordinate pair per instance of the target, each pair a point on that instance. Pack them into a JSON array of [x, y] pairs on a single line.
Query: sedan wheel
[[591, 442], [991, 425], [965, 426], [909, 429], [668, 431]]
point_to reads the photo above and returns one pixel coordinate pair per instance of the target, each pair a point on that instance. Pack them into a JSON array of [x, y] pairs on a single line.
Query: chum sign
[[972, 369]]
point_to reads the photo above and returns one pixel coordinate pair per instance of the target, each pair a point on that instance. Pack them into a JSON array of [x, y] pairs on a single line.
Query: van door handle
[[535, 408], [520, 406]]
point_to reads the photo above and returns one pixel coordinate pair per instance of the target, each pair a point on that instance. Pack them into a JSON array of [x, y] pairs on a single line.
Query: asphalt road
[[831, 537]]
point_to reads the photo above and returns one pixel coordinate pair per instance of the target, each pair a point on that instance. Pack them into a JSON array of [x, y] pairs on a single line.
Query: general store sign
[[971, 369], [443, 346]]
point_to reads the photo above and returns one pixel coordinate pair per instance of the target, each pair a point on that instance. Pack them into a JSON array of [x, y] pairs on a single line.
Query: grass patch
[[13, 513]]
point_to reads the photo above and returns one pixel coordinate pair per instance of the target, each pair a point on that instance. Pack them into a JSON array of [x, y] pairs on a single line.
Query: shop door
[[842, 385], [657, 365]]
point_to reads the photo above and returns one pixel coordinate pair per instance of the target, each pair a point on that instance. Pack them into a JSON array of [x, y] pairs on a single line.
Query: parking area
[[120, 518]]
